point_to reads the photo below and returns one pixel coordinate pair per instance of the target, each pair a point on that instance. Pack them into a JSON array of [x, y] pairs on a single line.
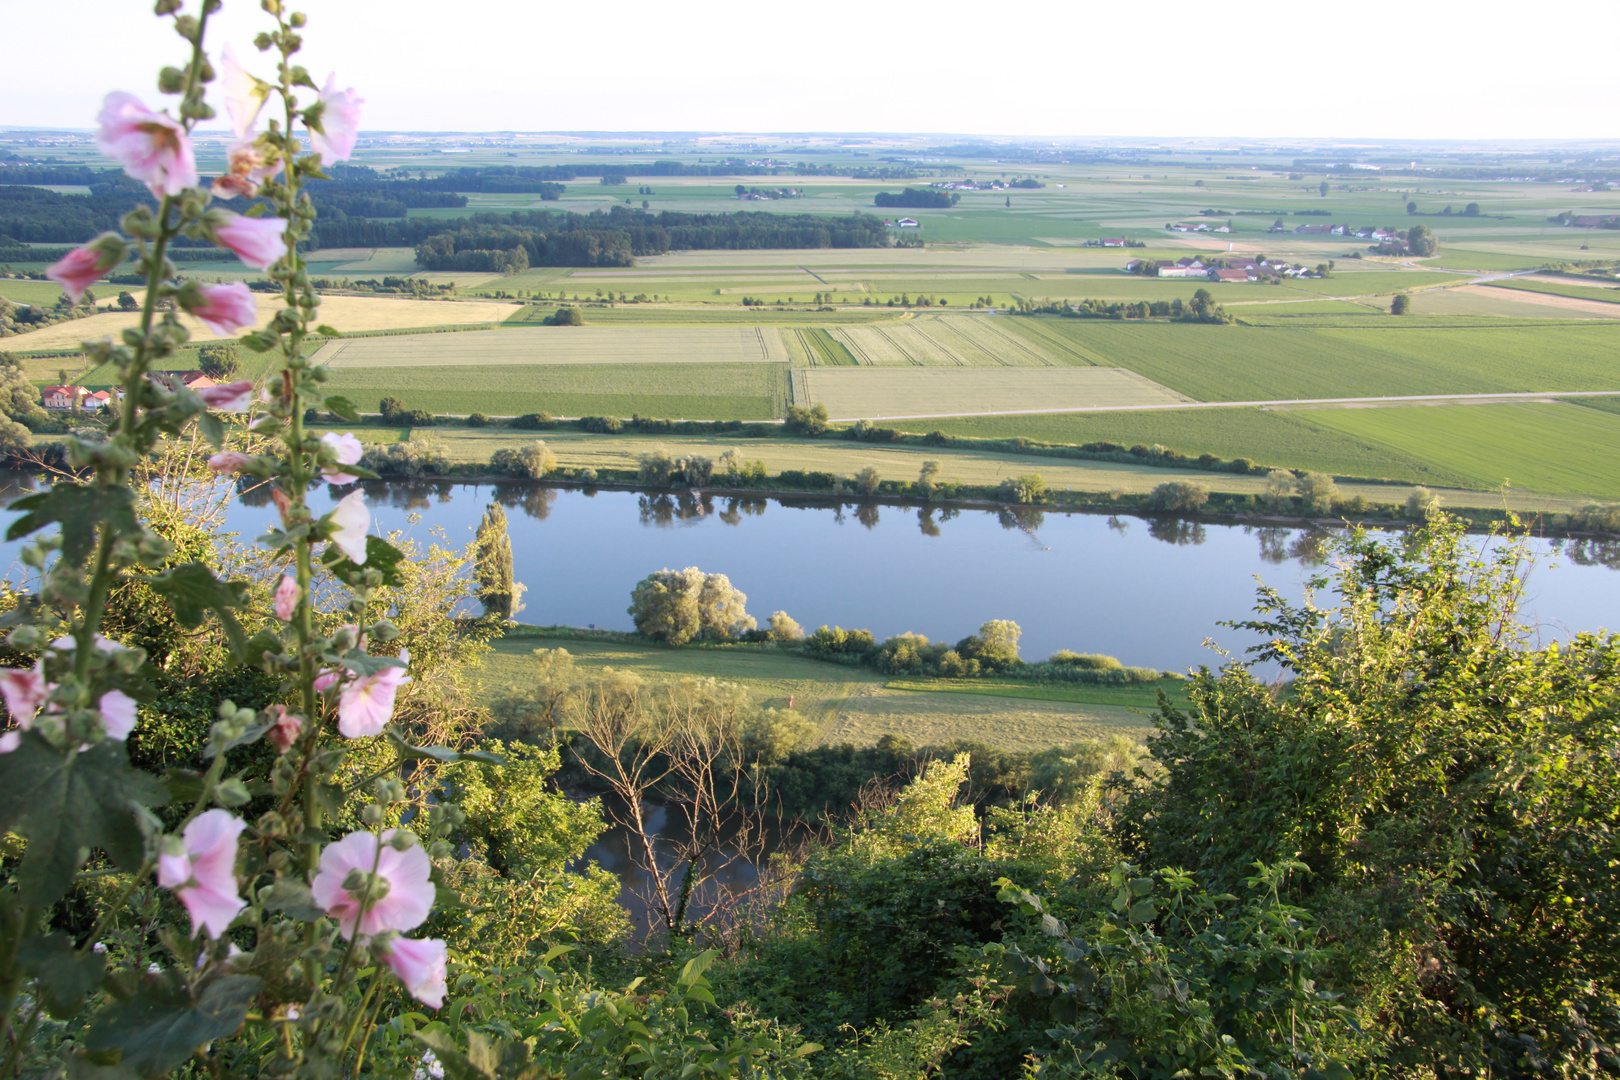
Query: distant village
[[1227, 268], [83, 399]]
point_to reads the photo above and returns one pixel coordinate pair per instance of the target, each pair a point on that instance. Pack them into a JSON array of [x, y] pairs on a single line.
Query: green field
[[1135, 696], [724, 391], [24, 291], [845, 704], [713, 315], [1608, 295], [1607, 404], [1293, 439], [565, 345], [884, 393], [1541, 447], [1244, 363]]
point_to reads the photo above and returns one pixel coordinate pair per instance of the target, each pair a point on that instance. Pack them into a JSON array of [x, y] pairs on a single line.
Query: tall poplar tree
[[497, 590]]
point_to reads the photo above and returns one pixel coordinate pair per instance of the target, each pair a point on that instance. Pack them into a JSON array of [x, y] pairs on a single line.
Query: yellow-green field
[[889, 392], [943, 341]]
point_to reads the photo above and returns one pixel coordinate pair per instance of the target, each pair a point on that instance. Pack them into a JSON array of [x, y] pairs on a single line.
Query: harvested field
[[891, 394], [347, 313], [563, 345], [945, 341]]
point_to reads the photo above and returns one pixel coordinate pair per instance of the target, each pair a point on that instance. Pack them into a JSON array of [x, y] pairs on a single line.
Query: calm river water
[[1149, 591]]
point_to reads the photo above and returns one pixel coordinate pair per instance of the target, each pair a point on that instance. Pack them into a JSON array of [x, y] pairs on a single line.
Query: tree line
[[917, 198]]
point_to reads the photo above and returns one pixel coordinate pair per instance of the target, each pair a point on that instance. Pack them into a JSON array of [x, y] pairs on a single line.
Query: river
[[1147, 590]]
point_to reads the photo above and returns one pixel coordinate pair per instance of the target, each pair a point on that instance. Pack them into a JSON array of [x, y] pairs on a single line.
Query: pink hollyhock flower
[[405, 899], [287, 596], [347, 448], [420, 965], [117, 714], [247, 167], [204, 877], [10, 741], [76, 270], [328, 679], [229, 461], [366, 704], [245, 94], [25, 690], [285, 728], [279, 497], [226, 309], [352, 521], [232, 397], [150, 146], [258, 242], [340, 123]]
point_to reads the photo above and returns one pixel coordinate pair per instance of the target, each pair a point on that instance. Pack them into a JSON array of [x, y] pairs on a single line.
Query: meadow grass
[[712, 315], [1551, 447], [1606, 404], [724, 391], [1136, 695], [845, 704]]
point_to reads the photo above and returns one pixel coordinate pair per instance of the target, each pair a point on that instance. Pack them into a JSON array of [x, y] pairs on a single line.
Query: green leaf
[[1143, 911], [807, 1049], [63, 975], [329, 331], [80, 1067], [193, 591], [339, 405], [79, 509], [160, 1028], [213, 429], [294, 898], [695, 967], [69, 804], [380, 555]]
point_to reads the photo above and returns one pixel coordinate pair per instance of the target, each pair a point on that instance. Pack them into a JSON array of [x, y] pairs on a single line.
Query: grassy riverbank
[[848, 704]]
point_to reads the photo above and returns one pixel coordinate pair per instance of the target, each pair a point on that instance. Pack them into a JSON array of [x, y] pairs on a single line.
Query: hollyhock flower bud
[[390, 886], [340, 123], [150, 146], [352, 521], [226, 309], [420, 965], [245, 94], [204, 876], [76, 270], [287, 596], [279, 497], [258, 242], [117, 714], [229, 461], [348, 451], [366, 704], [232, 397], [284, 728]]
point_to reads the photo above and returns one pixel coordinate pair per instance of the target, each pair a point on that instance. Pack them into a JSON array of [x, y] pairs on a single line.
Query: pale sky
[[1254, 68]]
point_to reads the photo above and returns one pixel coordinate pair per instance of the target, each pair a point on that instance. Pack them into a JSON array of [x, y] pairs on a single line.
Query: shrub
[[1028, 488], [1241, 465], [390, 408], [809, 422], [1279, 491], [1317, 492], [678, 606], [836, 641], [601, 425], [535, 421], [1178, 496], [1089, 661], [477, 419], [995, 646], [655, 467], [416, 457], [867, 481], [695, 469], [532, 462], [565, 316]]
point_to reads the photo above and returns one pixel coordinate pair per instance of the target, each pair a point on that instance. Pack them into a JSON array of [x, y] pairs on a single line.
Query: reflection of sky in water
[[1146, 590]]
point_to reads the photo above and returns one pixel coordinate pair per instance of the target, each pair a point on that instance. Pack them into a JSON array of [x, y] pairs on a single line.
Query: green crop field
[[1288, 439], [1607, 294], [1606, 404], [845, 704], [1244, 363], [1537, 446], [943, 341], [850, 393], [725, 391], [565, 345]]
